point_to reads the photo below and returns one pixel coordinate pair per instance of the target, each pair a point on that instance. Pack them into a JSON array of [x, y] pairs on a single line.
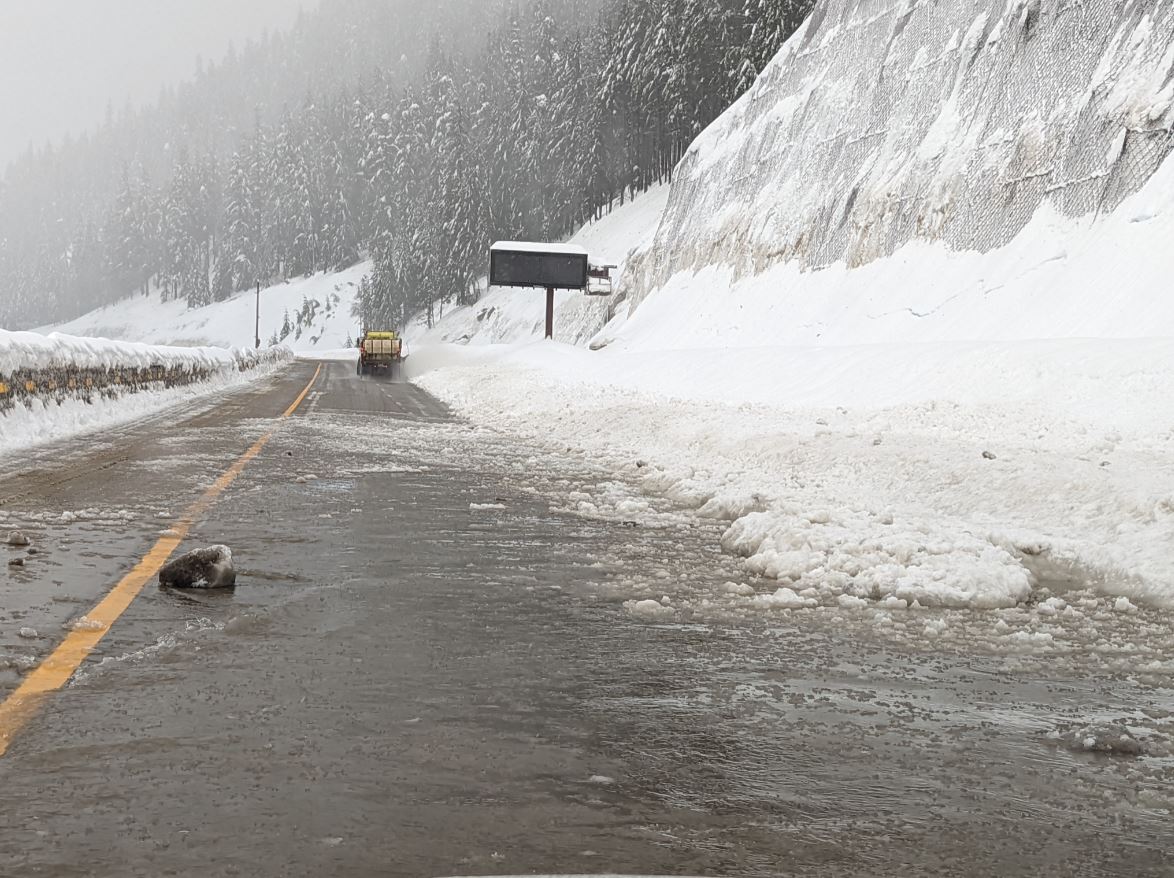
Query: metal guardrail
[[73, 382]]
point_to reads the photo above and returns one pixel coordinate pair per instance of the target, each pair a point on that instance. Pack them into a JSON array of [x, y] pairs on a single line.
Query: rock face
[[884, 123], [203, 568]]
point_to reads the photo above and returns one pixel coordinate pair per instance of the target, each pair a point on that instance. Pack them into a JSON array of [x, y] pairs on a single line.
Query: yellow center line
[[57, 669]]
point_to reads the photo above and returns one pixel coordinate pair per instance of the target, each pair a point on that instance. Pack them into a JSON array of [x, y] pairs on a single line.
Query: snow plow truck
[[380, 352]]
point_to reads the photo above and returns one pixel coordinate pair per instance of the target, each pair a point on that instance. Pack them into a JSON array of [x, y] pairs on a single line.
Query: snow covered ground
[[951, 475], [326, 300]]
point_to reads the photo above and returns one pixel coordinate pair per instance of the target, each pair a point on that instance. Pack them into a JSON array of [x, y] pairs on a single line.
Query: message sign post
[[545, 266]]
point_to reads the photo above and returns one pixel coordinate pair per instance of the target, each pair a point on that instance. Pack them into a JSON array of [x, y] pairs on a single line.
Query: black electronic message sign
[[538, 265]]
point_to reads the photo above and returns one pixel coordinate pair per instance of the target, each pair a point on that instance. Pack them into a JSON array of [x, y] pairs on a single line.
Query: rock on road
[[425, 670]]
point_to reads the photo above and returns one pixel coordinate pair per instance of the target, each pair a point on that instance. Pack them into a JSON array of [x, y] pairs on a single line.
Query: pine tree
[[244, 229]]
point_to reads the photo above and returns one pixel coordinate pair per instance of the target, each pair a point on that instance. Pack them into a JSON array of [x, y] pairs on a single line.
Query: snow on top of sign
[[532, 247]]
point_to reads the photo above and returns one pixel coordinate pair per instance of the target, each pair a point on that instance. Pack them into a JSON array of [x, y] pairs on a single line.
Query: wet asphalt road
[[427, 669]]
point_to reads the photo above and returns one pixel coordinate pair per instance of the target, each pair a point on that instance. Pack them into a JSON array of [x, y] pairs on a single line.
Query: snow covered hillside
[[319, 308], [512, 315], [316, 310], [888, 327]]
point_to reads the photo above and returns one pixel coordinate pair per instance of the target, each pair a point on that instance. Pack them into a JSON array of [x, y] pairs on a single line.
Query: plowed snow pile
[[60, 413], [906, 323]]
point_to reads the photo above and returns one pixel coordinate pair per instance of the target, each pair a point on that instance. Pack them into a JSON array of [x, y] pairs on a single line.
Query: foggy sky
[[63, 61]]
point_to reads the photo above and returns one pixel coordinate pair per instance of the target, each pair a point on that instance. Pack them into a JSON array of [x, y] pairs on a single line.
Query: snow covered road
[[439, 659]]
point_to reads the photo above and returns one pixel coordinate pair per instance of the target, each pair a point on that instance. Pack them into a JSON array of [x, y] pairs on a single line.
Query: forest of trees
[[413, 143]]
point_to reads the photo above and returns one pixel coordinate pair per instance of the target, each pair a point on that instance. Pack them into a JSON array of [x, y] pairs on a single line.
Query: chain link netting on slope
[[886, 121]]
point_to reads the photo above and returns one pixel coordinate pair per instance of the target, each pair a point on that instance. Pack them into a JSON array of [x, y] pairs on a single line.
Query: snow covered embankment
[[56, 386], [960, 476], [918, 171]]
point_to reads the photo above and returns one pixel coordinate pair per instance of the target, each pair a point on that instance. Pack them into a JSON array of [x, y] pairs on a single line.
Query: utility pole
[[258, 334]]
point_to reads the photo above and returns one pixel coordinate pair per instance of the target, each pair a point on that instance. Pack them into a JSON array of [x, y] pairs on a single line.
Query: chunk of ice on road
[[21, 663], [485, 507], [936, 627], [85, 623], [784, 599], [1052, 607], [741, 589], [1031, 639], [648, 609], [632, 507], [1114, 740]]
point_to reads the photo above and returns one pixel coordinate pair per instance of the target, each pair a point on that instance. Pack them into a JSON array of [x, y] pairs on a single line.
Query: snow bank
[[946, 475], [32, 352], [54, 387]]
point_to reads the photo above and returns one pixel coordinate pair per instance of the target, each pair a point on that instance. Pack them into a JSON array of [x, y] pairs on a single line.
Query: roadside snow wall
[[890, 130], [39, 369]]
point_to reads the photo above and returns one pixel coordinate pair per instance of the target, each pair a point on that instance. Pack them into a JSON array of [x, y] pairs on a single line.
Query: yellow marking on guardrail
[[30, 386], [3, 388], [56, 670]]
